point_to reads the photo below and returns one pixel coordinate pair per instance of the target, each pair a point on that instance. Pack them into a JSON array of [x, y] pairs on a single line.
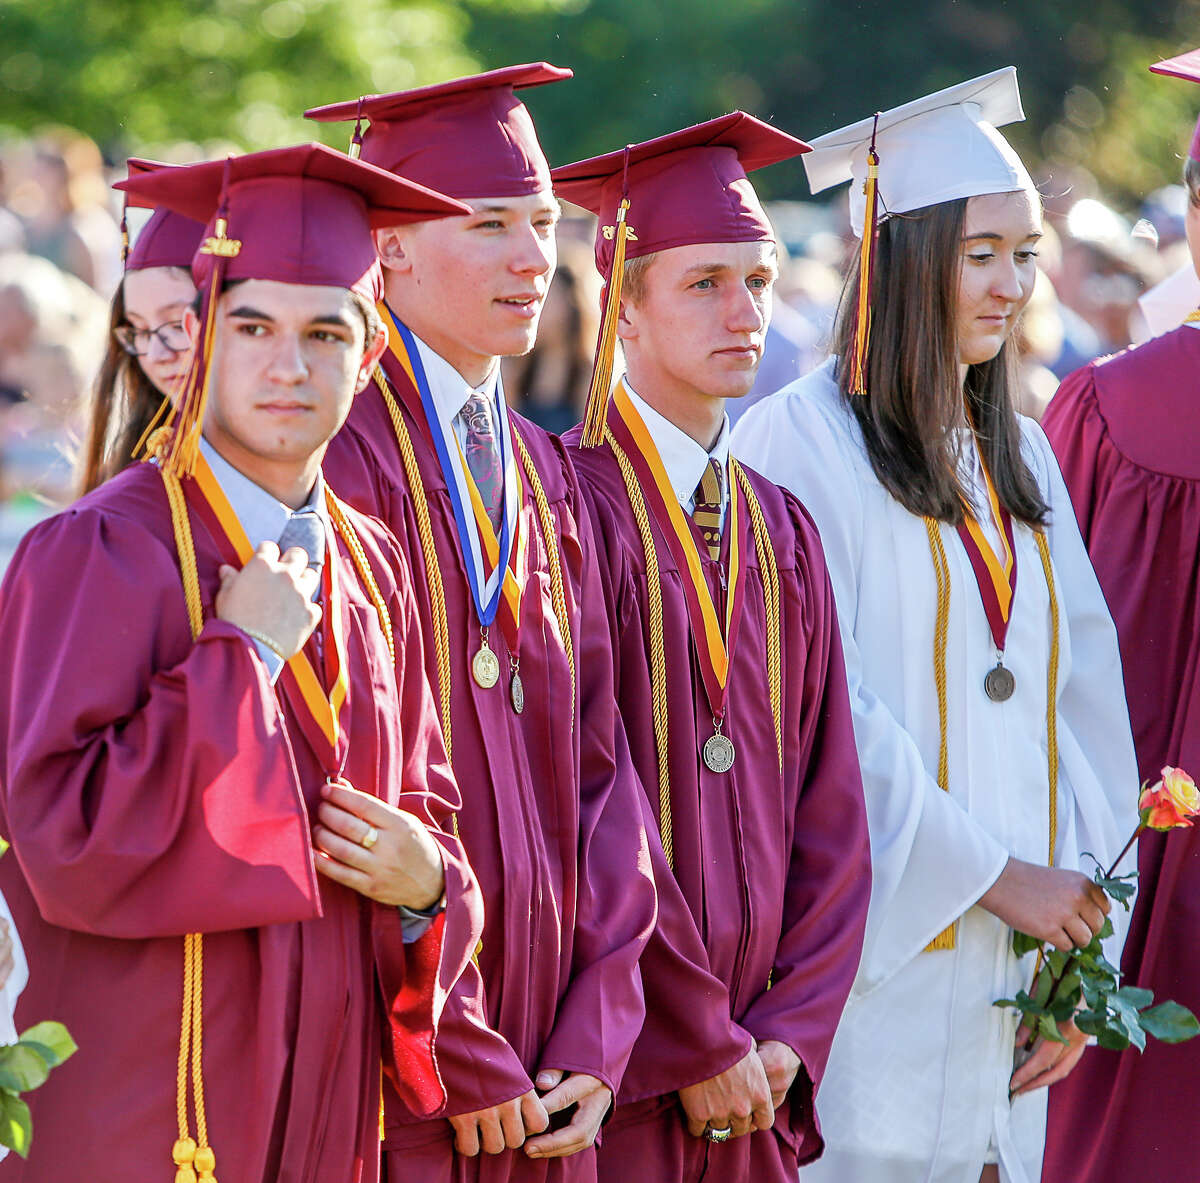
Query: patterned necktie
[[305, 530], [706, 511], [483, 455]]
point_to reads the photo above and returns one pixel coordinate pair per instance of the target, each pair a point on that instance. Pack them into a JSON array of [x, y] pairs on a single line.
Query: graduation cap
[[470, 137], [943, 147], [299, 215], [680, 189], [1187, 67], [167, 239]]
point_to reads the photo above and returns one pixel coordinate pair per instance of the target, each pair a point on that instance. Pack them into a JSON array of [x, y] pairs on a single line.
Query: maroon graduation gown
[[1126, 431], [760, 929], [152, 787], [551, 819]]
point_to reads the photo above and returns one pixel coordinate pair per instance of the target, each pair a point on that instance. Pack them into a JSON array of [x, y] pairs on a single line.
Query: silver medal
[[718, 753]]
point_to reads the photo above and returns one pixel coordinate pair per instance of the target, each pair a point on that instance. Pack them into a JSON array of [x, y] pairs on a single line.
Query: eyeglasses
[[171, 336]]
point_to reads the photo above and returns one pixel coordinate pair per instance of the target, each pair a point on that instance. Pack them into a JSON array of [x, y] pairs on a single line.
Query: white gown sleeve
[[930, 860]]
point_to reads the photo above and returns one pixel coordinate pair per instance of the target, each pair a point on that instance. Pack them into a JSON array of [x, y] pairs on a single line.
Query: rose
[[1174, 801]]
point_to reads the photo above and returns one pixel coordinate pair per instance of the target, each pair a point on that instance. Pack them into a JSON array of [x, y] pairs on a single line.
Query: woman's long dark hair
[[124, 401], [914, 398]]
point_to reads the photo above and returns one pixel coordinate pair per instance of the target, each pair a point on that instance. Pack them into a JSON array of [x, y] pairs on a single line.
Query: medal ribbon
[[995, 577], [317, 711], [714, 643], [403, 347]]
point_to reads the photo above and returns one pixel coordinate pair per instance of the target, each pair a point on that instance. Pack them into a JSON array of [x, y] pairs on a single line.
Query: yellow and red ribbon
[[996, 576]]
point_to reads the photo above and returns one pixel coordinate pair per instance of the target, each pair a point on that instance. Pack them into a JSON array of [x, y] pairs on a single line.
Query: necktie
[[706, 511], [305, 530], [483, 455]]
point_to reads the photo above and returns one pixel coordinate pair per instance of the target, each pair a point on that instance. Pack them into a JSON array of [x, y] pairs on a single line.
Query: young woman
[[147, 347], [989, 713]]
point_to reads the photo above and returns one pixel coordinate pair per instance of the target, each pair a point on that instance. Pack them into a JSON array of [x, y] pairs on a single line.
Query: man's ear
[[191, 325], [374, 352], [391, 245], [627, 321]]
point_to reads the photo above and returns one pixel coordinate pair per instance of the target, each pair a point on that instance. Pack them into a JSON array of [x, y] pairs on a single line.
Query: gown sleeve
[[930, 860], [149, 787]]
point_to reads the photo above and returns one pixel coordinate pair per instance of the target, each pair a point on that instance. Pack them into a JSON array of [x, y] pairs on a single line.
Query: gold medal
[[718, 753], [485, 667], [999, 683]]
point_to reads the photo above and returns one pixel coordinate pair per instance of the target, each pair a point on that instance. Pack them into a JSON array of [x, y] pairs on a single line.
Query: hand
[[402, 866], [1064, 908], [781, 1065], [502, 1127], [8, 961], [591, 1099], [272, 596], [1049, 1061], [738, 1099]]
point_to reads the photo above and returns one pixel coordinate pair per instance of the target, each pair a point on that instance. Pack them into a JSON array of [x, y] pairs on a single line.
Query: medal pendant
[[516, 690], [999, 683], [718, 753], [485, 667]]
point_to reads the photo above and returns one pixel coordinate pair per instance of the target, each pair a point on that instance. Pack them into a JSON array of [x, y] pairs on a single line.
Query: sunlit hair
[[914, 399], [124, 401], [633, 283]]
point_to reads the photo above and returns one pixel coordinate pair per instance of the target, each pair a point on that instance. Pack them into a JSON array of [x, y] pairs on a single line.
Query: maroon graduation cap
[[167, 239], [299, 215], [680, 189], [1186, 66], [470, 137]]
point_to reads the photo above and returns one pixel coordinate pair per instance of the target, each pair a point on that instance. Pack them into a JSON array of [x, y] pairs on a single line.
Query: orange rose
[[1172, 802]]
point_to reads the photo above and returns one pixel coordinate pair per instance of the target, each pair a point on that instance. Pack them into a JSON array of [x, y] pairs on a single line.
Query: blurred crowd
[[1108, 278]]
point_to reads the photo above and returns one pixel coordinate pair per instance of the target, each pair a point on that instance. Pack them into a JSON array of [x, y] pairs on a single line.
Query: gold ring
[[369, 838], [721, 1135]]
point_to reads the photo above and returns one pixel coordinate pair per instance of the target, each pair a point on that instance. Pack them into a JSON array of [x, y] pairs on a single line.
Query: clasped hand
[[742, 1098]]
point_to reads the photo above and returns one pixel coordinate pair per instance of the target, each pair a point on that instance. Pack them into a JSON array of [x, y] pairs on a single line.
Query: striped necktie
[[483, 455], [706, 511]]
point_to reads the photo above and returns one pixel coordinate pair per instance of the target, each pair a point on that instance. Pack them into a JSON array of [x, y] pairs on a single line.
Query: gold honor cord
[[658, 662], [946, 938], [192, 1155]]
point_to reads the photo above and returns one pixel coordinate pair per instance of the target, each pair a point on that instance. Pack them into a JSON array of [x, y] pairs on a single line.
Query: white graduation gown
[[917, 1083]]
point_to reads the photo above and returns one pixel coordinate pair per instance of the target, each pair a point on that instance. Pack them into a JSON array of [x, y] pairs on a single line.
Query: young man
[[488, 510], [1126, 434], [208, 796], [729, 675]]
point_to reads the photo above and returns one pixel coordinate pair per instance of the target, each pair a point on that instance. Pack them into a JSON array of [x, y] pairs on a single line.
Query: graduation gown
[[760, 926], [917, 1082], [1126, 433], [152, 787], [550, 820]]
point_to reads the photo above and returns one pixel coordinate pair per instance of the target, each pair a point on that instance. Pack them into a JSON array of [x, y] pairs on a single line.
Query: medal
[[516, 690], [718, 753], [999, 683], [485, 666]]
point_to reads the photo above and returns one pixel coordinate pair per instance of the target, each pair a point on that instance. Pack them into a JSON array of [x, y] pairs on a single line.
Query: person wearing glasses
[[147, 347]]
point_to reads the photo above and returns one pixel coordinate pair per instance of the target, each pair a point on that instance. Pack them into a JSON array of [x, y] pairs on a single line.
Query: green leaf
[[1169, 1022], [1091, 1022], [54, 1038], [1057, 960], [1135, 996], [1106, 929], [1048, 1029], [1043, 985], [1115, 1041], [22, 1068], [16, 1126], [1023, 943], [3, 847]]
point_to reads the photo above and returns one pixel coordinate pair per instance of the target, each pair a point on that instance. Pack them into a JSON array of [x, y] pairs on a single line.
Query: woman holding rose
[[989, 712]]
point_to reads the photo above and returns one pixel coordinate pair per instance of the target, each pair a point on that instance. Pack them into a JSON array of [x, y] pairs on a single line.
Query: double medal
[[714, 636], [996, 577], [495, 567]]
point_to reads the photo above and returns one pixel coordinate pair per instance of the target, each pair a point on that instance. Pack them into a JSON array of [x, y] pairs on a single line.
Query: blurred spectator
[[61, 195], [1039, 341], [549, 384]]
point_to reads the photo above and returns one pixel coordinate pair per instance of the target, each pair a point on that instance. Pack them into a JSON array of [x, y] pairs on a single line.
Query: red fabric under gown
[[152, 787], [1126, 431]]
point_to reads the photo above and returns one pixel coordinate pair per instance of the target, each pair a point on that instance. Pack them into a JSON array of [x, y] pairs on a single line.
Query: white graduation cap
[[939, 148]]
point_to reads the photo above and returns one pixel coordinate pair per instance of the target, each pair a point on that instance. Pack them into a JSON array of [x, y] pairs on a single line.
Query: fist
[[272, 595]]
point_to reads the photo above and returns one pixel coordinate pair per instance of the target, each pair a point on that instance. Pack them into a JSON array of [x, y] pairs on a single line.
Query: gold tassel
[[597, 400], [862, 319]]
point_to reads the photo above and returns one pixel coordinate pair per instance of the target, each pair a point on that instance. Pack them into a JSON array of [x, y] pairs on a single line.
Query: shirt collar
[[449, 388], [684, 460], [261, 515]]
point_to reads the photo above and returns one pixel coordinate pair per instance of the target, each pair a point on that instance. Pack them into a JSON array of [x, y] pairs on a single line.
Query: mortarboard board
[[299, 215], [1187, 67], [167, 239], [943, 147], [469, 137], [680, 189]]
